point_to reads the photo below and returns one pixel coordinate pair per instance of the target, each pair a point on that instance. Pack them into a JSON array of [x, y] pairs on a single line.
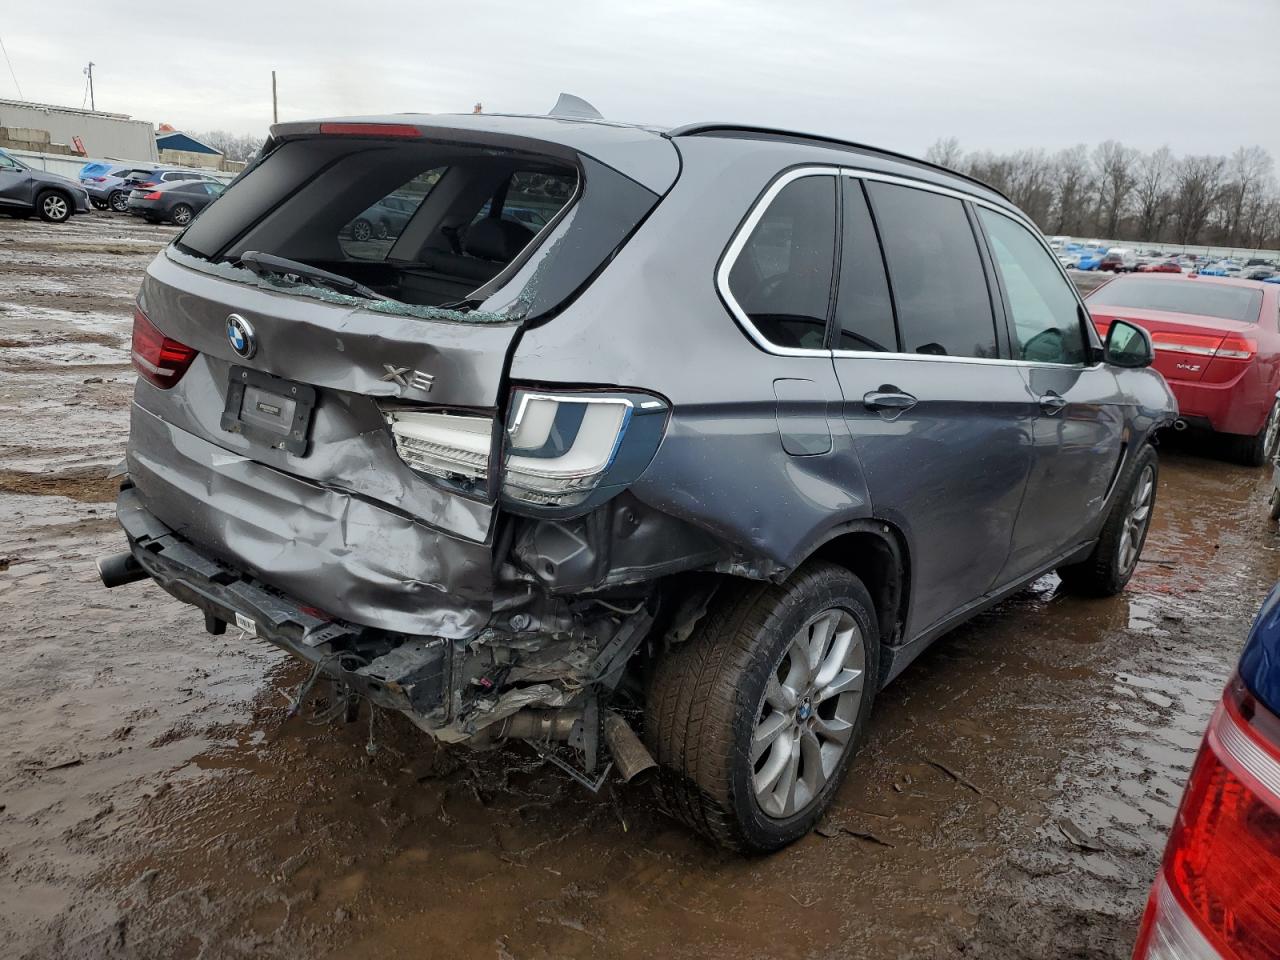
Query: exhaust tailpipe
[[121, 569], [1179, 424], [629, 753]]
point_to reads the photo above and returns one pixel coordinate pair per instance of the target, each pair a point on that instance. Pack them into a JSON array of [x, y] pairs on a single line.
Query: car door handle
[[1052, 403], [889, 399]]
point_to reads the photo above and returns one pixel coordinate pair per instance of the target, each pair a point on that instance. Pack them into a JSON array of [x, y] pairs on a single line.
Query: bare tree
[[1197, 187], [1113, 165], [1072, 186], [1154, 175], [1247, 173], [1031, 183], [945, 152], [233, 146]]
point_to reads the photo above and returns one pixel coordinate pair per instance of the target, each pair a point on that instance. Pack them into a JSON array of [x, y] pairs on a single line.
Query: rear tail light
[[144, 186], [159, 359], [153, 195], [1238, 348], [1218, 891], [562, 450], [97, 179], [1197, 344]]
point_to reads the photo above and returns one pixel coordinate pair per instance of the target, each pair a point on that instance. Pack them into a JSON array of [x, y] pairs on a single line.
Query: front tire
[[755, 718], [1111, 563], [53, 206]]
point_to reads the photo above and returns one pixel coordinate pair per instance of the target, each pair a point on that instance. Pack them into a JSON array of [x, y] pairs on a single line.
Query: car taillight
[[97, 179], [1218, 892], [153, 195], [1237, 348], [1197, 344], [144, 186], [562, 450], [159, 359]]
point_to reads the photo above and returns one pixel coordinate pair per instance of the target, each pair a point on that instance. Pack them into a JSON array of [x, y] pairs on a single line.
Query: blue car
[[1090, 260], [1217, 891]]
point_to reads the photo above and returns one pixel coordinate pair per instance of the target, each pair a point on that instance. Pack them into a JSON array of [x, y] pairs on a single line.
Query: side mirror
[[1128, 345]]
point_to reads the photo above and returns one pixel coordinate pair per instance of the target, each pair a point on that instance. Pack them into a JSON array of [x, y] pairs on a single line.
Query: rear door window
[[864, 310], [371, 233], [781, 279], [1046, 315], [939, 287]]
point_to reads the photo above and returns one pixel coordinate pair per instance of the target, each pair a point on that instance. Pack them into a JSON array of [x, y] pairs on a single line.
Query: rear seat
[[446, 276]]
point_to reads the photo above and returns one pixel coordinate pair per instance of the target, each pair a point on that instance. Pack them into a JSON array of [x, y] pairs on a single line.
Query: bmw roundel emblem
[[240, 336]]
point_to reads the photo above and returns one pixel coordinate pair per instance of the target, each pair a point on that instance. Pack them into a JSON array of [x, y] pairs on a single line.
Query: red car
[[1168, 266], [1217, 342]]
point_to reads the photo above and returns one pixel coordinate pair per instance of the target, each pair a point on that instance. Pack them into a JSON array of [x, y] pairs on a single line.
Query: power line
[[11, 73]]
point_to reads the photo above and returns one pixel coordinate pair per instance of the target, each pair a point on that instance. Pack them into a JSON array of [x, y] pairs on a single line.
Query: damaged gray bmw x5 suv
[[646, 447]]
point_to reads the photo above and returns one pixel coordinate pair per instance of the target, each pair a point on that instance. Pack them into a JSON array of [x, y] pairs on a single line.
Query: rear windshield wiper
[[261, 263]]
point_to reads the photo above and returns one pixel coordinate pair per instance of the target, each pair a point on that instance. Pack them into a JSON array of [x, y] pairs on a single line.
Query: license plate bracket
[[269, 410]]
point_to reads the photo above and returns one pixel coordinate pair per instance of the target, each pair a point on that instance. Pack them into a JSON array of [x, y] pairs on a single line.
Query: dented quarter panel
[[653, 320]]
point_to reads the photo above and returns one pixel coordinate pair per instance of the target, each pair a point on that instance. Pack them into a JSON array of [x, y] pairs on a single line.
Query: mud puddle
[[155, 802]]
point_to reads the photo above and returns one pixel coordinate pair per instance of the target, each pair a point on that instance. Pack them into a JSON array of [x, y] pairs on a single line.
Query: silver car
[[681, 477]]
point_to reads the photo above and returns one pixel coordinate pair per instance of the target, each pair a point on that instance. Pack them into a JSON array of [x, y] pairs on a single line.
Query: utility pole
[[89, 71], [275, 106]]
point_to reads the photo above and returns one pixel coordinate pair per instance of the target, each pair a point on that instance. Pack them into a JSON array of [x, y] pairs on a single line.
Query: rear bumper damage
[[539, 668]]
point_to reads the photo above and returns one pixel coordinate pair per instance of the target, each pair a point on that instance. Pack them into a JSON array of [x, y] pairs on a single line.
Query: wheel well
[[878, 558]]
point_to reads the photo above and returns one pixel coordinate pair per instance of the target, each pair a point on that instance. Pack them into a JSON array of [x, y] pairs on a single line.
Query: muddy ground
[[1011, 801]]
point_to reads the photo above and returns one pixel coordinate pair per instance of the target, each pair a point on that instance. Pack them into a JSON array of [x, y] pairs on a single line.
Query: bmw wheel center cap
[[240, 336]]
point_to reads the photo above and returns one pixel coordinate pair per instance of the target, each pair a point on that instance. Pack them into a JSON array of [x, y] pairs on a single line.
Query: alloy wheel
[[182, 216], [1137, 516], [55, 207], [807, 715], [1271, 439]]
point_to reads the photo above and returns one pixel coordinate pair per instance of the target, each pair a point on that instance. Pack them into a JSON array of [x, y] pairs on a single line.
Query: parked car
[[1090, 260], [24, 191], [114, 190], [176, 202], [1217, 344], [1164, 266], [1069, 261], [1257, 273], [507, 506], [385, 219], [1215, 896], [1119, 260]]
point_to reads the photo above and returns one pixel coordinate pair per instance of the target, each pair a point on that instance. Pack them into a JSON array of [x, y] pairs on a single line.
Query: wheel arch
[[874, 551]]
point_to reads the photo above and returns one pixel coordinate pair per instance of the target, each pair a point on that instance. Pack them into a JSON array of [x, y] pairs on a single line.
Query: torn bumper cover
[[412, 675], [330, 548]]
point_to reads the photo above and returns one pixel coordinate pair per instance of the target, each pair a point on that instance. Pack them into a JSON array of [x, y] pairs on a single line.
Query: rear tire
[[1111, 563], [1246, 450], [742, 680], [118, 201], [361, 230], [98, 204], [182, 214], [54, 206], [1273, 504]]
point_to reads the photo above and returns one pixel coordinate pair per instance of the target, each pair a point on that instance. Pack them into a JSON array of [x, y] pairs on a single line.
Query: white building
[[103, 135]]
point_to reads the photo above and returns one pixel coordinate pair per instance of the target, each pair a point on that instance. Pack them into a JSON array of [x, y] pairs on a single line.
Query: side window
[[944, 308], [371, 234], [1046, 317], [864, 311], [8, 162], [782, 276]]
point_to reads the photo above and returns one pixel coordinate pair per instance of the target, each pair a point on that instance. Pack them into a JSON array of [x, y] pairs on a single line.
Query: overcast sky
[[1203, 77]]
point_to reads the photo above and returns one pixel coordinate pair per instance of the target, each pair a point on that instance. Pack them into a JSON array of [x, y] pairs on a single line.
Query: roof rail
[[695, 129]]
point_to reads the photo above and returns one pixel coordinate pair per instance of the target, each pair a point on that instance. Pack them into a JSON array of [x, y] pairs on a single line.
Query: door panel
[[1076, 450], [949, 471]]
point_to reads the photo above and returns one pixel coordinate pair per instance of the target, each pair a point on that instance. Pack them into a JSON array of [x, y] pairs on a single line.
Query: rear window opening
[[1202, 298], [417, 225]]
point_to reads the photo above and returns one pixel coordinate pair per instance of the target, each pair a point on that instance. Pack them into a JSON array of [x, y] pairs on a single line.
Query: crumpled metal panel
[[321, 546]]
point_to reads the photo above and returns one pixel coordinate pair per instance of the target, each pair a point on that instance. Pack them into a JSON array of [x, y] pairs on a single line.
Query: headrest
[[500, 240]]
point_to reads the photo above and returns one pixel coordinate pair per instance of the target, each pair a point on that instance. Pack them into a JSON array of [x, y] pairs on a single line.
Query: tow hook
[[120, 569]]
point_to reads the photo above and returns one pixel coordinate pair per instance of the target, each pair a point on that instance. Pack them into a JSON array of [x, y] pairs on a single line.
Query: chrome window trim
[[743, 234], [740, 238]]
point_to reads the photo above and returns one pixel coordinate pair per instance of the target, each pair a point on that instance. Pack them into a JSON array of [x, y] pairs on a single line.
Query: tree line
[[1115, 192]]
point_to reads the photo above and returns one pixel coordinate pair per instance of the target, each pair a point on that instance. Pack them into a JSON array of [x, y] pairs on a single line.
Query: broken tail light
[[159, 360], [1217, 895], [563, 450]]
